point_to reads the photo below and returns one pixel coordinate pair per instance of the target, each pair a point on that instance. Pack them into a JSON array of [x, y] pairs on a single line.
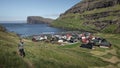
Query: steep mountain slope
[[92, 15]]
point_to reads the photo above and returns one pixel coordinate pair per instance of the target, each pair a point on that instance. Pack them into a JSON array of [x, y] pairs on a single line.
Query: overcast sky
[[12, 10]]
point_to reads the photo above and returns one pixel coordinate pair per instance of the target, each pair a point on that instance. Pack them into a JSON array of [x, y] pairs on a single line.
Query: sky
[[18, 10]]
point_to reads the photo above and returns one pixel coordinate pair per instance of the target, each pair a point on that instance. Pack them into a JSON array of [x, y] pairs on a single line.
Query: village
[[87, 39]]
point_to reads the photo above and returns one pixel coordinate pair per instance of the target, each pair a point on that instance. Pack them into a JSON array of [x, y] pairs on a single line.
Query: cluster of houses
[[58, 38], [88, 39]]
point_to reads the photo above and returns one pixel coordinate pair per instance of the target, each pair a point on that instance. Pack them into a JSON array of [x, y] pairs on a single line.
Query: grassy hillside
[[104, 20], [8, 51], [47, 55]]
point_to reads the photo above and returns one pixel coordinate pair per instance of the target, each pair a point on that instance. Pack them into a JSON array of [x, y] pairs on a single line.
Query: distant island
[[38, 20]]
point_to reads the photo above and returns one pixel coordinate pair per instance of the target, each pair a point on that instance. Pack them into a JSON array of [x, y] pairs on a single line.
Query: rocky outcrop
[[87, 5], [92, 15], [38, 20], [118, 28], [3, 29]]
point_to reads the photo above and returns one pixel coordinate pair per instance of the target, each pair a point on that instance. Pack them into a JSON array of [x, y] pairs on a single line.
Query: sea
[[24, 29]]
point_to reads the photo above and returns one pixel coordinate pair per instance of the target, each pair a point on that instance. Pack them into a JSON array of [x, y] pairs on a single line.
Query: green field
[[47, 55]]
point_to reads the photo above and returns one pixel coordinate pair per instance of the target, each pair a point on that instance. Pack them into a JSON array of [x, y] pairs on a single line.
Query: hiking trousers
[[22, 52]]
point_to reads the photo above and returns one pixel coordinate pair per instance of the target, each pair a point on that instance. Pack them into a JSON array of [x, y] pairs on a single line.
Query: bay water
[[25, 29]]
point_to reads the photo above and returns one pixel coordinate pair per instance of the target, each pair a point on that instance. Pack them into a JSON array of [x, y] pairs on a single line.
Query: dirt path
[[113, 59], [30, 65]]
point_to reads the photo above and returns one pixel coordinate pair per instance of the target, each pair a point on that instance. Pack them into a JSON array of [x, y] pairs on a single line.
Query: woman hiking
[[21, 48]]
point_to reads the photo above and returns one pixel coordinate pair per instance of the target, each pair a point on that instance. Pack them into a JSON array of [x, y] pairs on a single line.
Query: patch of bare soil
[[30, 65], [113, 60]]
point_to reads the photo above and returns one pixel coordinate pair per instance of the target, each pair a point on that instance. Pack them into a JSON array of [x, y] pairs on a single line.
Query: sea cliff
[[38, 20]]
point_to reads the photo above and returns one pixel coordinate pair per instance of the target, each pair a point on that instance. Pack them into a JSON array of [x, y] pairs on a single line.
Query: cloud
[[10, 18], [54, 16]]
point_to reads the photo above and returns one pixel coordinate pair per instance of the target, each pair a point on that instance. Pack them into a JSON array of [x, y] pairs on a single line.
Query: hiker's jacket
[[20, 46]]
